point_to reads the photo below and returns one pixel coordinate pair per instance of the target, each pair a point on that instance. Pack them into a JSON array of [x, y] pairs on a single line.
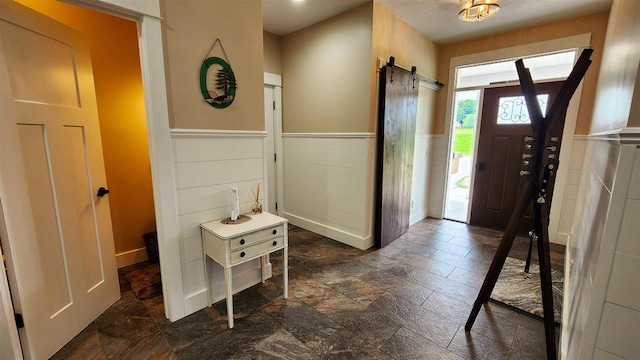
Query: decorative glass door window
[[512, 110]]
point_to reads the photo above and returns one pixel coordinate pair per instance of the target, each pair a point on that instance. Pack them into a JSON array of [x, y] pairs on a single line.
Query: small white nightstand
[[233, 244]]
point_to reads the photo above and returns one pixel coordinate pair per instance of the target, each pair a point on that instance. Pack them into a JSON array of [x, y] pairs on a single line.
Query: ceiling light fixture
[[477, 10]]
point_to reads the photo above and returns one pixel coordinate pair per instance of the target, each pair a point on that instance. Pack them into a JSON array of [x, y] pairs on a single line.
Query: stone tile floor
[[409, 300]]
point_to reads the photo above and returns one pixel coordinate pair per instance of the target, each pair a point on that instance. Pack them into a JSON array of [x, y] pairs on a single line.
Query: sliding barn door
[[398, 102]]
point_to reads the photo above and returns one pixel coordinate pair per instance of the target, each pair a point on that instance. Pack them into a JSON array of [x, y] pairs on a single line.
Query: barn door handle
[[102, 192], [481, 166]]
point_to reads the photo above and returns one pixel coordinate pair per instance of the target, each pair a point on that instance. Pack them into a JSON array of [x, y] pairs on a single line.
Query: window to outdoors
[[466, 116], [512, 110], [543, 67], [469, 85]]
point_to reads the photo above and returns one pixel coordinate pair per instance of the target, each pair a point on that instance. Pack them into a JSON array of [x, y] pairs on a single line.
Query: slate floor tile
[[85, 346], [345, 345], [408, 300], [471, 345], [406, 344], [301, 320], [281, 345], [219, 347]]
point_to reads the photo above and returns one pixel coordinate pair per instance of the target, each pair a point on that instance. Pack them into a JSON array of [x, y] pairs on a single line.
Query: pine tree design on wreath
[[217, 80]]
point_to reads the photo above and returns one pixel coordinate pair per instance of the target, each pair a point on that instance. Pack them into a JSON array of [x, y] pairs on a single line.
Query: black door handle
[[481, 166], [102, 192]]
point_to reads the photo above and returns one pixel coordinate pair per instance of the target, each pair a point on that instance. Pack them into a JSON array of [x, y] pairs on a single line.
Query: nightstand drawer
[[256, 250], [256, 237]]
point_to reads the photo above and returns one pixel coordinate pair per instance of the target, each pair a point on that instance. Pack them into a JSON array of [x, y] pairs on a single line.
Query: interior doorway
[[122, 120], [471, 82], [124, 151], [273, 143]]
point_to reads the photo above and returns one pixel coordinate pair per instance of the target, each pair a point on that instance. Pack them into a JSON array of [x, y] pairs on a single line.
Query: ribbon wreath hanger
[[218, 90]]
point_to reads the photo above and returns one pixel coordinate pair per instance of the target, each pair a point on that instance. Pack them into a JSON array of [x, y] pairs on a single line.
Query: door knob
[[102, 192], [481, 166]]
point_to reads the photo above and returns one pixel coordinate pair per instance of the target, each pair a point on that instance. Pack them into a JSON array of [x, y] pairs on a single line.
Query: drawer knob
[[242, 241], [242, 254], [274, 231], [275, 243]]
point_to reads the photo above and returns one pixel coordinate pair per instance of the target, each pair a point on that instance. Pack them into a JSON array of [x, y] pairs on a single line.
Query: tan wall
[[594, 24], [116, 69], [190, 29], [618, 81], [325, 70], [394, 37], [272, 53]]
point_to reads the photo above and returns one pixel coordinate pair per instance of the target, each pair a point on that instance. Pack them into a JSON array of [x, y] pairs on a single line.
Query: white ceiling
[[436, 19]]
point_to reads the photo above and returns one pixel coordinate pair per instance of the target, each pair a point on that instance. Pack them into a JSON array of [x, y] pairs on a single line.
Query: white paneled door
[[56, 230], [269, 115]]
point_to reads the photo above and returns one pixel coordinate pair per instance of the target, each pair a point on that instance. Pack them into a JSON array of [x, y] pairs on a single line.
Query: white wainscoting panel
[[421, 181], [437, 181], [328, 185], [603, 307], [618, 327], [207, 164], [570, 193]]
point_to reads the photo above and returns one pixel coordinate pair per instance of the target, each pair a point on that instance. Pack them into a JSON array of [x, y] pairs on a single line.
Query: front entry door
[[503, 127], [55, 230]]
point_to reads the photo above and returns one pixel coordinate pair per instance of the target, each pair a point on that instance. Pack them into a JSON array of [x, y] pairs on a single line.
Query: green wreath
[[226, 82]]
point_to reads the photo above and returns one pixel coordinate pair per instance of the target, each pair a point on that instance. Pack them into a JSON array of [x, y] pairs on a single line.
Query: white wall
[[439, 157], [617, 333], [207, 164], [428, 175], [570, 193], [603, 306], [328, 184], [421, 179], [603, 302]]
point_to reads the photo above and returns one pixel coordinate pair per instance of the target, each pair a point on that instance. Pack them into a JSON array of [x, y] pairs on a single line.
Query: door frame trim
[[578, 42], [274, 136], [147, 16], [7, 319]]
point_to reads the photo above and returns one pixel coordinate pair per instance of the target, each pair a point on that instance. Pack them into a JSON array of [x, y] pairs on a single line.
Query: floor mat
[[146, 282], [522, 293]]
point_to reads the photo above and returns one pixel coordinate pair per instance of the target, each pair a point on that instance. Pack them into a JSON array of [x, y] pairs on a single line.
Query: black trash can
[[151, 242]]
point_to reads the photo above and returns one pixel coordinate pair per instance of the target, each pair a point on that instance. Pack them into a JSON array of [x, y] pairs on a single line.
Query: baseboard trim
[[332, 233], [131, 257], [422, 214], [437, 213], [561, 239]]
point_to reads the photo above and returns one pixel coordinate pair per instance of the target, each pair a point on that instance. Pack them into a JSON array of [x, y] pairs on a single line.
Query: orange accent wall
[[594, 24], [116, 68]]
